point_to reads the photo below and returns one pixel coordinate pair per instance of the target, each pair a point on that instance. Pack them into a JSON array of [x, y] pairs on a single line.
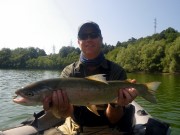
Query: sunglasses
[[85, 36]]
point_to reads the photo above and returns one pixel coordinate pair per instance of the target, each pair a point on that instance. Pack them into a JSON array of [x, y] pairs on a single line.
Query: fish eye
[[29, 94]]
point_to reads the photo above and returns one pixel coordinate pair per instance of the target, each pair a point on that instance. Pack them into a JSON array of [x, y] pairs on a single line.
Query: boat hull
[[138, 120]]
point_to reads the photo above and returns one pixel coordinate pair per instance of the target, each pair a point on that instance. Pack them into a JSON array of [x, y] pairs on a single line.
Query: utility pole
[[71, 44], [54, 49], [155, 25]]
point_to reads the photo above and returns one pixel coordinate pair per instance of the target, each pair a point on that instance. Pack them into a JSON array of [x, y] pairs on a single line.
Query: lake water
[[168, 95]]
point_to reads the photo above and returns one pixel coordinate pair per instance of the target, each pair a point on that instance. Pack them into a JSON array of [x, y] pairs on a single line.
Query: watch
[[114, 105]]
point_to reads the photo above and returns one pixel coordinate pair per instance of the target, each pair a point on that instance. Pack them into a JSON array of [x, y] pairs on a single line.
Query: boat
[[136, 121]]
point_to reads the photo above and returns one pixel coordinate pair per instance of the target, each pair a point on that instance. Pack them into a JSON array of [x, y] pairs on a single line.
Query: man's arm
[[126, 96]]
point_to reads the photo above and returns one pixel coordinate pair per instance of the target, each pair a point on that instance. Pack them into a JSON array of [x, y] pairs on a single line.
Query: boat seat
[[157, 127]]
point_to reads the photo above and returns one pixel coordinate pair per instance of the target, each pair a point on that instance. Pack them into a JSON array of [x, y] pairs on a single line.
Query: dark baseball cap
[[94, 26]]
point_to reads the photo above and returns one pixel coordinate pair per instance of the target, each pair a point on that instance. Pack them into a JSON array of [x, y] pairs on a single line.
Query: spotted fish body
[[92, 90]]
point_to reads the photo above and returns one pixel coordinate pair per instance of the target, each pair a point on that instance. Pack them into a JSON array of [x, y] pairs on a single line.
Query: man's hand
[[127, 95], [59, 104]]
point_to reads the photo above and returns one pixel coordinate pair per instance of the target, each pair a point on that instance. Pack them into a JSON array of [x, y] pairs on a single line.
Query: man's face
[[90, 43]]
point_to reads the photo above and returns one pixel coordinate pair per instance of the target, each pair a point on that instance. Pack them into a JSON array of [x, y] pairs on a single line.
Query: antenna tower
[[71, 44], [54, 49], [155, 25]]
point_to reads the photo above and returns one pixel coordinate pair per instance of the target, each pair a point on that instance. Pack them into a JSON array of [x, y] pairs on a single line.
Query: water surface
[[168, 106], [10, 80], [167, 109]]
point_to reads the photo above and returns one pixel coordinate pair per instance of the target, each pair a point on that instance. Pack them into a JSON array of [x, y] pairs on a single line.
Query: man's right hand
[[59, 104]]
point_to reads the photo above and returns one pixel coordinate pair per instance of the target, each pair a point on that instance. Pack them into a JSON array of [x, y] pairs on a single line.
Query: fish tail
[[152, 87]]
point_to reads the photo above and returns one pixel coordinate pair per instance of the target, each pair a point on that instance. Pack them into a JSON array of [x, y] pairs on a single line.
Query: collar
[[79, 64]]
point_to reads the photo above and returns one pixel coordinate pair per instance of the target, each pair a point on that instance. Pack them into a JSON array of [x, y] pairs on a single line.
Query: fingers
[[58, 104], [126, 96], [55, 101], [46, 103], [121, 96], [133, 92], [133, 81], [60, 100]]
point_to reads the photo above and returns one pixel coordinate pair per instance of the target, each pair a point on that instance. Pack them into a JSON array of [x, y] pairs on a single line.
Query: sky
[[49, 24]]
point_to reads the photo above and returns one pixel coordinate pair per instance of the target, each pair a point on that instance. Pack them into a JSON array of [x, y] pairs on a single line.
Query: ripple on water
[[10, 80], [167, 109]]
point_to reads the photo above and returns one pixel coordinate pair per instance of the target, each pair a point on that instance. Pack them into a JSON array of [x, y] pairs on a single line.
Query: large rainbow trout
[[88, 91]]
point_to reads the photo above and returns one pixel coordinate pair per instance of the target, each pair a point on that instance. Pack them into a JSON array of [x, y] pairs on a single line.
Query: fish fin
[[152, 87], [98, 77], [93, 109]]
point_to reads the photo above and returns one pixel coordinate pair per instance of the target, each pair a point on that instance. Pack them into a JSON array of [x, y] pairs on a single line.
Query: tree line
[[157, 53], [35, 58]]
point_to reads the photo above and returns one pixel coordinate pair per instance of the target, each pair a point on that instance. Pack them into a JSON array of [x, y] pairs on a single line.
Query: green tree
[[151, 57], [106, 48], [5, 55], [64, 51], [171, 61]]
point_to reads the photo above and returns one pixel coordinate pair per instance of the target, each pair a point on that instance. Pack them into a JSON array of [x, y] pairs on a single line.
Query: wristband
[[113, 105]]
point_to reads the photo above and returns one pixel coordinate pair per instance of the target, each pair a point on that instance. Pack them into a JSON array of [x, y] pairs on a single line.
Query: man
[[92, 61]]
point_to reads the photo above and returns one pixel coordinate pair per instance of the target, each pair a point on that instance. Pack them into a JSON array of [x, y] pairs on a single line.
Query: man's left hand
[[127, 95]]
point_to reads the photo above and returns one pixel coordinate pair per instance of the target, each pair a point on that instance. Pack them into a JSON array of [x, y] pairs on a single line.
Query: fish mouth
[[20, 100]]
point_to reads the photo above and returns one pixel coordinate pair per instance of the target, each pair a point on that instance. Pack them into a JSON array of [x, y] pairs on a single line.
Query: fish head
[[32, 94]]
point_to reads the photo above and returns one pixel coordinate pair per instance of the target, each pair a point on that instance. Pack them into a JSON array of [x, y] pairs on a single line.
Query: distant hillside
[[157, 53]]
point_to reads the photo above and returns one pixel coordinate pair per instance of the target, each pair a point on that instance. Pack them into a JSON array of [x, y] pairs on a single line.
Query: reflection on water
[[167, 109]]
